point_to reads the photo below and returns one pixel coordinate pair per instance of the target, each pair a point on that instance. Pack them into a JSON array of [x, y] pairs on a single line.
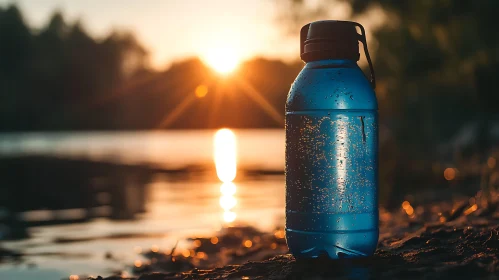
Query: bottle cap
[[329, 39], [334, 39]]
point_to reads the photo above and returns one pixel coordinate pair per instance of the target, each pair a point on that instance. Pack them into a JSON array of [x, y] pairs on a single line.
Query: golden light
[[470, 210], [186, 253], [248, 243], [155, 248], [228, 188], [222, 59], [202, 255], [409, 210], [137, 263], [201, 91], [197, 243], [279, 234], [273, 246], [214, 240], [405, 205], [229, 216], [225, 154], [227, 202], [74, 277], [449, 174]]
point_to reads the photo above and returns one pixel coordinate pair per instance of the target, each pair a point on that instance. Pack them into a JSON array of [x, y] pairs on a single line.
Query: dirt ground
[[446, 240]]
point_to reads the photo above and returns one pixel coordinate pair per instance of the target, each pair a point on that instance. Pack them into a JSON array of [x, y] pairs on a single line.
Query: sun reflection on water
[[224, 155], [227, 200]]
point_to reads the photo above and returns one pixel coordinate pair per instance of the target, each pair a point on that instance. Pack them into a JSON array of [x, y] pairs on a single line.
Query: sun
[[223, 60]]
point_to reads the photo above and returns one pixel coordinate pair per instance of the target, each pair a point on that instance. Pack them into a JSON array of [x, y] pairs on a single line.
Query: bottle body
[[331, 162]]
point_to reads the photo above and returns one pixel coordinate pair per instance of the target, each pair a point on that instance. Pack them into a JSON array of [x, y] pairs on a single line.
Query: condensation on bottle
[[332, 146]]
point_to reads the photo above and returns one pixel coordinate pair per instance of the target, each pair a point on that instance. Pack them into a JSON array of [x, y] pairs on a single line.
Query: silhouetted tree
[[16, 52], [48, 78], [436, 66], [62, 78], [435, 63]]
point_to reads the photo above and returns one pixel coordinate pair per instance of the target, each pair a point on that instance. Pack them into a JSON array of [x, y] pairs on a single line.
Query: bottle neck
[[346, 63]]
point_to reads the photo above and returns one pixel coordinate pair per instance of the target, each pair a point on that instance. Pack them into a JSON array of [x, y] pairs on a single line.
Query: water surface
[[175, 208]]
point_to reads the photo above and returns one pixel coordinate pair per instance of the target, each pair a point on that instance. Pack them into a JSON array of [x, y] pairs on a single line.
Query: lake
[[175, 209]]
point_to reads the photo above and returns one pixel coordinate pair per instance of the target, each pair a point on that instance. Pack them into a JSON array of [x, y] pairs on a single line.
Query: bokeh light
[[155, 248], [201, 91], [409, 210], [449, 174], [248, 243]]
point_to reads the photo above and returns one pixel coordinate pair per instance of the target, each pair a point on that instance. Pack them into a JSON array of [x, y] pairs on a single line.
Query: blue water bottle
[[332, 147]]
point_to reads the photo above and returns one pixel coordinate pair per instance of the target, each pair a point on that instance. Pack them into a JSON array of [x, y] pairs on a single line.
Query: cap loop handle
[[362, 39]]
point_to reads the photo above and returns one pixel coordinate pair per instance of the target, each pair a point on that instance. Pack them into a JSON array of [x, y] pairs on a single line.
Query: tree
[[49, 77], [16, 52], [435, 63]]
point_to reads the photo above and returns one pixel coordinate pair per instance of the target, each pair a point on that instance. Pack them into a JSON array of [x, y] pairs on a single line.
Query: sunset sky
[[175, 29]]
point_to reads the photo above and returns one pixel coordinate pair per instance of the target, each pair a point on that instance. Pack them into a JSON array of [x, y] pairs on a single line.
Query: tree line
[[436, 65], [59, 77]]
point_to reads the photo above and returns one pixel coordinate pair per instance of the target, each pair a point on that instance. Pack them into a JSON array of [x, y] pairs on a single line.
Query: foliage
[[61, 78], [435, 63], [46, 75]]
